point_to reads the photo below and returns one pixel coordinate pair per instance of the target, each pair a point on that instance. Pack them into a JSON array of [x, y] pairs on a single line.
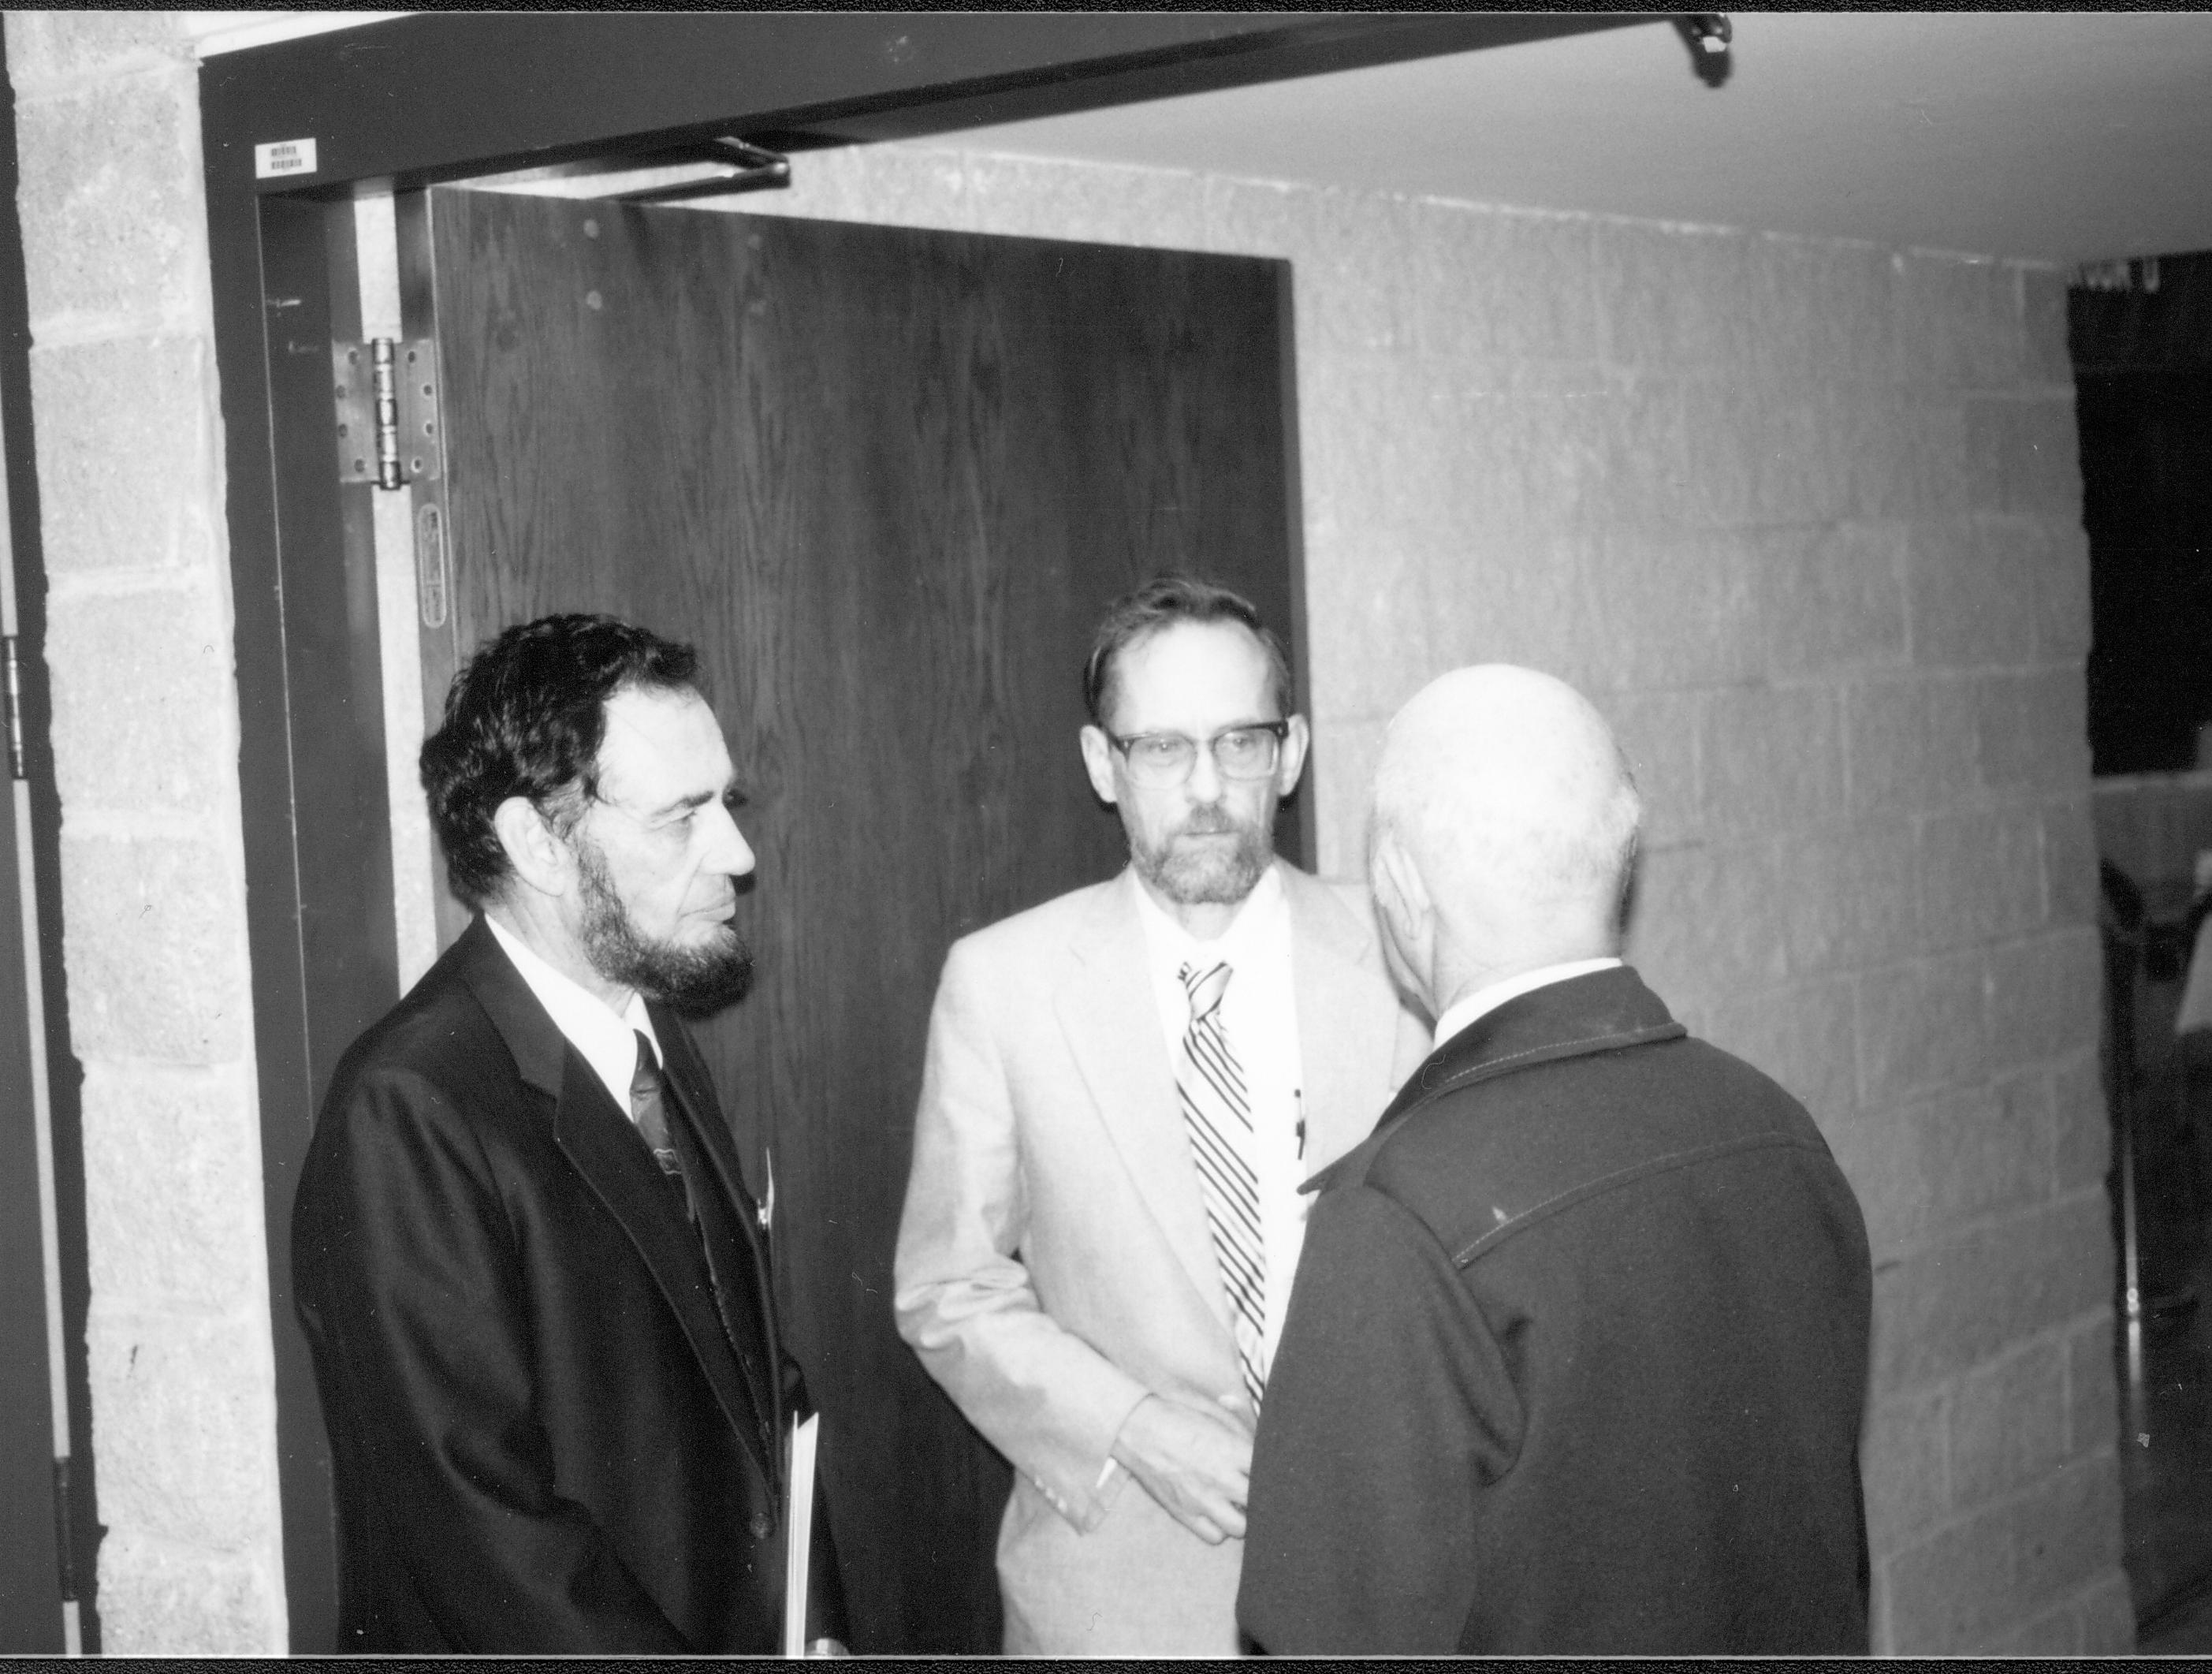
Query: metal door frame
[[446, 97]]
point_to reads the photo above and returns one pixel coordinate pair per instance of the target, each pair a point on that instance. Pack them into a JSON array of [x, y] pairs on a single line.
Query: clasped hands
[[1194, 1459]]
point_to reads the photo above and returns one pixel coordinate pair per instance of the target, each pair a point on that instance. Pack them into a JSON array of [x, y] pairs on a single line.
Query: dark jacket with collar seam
[[1575, 1362], [543, 1437]]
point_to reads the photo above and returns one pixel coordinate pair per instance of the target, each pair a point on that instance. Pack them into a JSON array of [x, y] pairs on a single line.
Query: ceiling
[[2064, 137]]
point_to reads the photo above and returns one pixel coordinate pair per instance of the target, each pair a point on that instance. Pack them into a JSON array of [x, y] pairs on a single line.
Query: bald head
[[1506, 821]]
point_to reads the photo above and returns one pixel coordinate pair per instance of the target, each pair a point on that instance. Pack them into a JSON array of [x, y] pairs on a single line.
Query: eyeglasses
[[1162, 759]]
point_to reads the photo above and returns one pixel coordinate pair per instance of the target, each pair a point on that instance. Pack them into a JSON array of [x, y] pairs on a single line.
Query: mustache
[[1213, 820]]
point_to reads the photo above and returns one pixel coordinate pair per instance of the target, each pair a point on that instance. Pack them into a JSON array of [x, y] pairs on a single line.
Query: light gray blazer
[[1054, 1265]]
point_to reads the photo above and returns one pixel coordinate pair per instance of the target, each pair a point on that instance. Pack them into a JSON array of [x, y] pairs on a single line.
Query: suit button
[[761, 1526]]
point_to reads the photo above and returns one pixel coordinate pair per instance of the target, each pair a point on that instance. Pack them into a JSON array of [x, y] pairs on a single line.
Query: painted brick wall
[[1804, 518], [153, 872]]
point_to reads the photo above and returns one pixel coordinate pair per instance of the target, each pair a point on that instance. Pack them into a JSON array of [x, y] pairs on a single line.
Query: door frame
[[444, 96], [46, 1411]]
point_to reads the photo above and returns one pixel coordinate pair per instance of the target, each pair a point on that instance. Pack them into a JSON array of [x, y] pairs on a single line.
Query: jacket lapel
[[1111, 1018], [702, 1111], [696, 1088], [599, 1142]]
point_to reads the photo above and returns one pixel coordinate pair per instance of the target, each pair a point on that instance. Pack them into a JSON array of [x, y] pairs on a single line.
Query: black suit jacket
[[544, 1436], [1575, 1361]]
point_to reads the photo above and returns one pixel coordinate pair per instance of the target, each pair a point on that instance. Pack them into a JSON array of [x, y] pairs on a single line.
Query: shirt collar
[[1484, 1000], [605, 1038]]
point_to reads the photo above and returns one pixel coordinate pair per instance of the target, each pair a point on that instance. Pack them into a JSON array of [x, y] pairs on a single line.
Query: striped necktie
[[1216, 1114]]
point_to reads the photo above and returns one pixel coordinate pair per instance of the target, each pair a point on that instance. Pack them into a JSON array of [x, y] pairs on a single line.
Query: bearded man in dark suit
[[534, 1282], [1576, 1351]]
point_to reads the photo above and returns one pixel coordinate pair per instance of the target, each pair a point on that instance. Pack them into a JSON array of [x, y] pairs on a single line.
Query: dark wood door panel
[[885, 481]]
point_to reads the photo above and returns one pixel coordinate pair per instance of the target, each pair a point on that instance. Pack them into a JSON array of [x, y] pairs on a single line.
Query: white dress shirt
[[1259, 1013], [606, 1037], [1484, 1000]]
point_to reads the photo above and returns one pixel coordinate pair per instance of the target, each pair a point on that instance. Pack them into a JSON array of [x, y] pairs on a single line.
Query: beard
[[1210, 873], [694, 980]]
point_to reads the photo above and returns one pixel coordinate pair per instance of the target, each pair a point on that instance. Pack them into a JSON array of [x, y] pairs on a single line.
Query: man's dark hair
[[525, 718], [1161, 603]]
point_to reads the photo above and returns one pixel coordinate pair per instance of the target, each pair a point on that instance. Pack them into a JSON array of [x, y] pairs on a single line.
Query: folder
[[798, 1529]]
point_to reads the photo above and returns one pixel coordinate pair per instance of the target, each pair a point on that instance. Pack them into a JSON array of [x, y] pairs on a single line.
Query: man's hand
[[1195, 1460]]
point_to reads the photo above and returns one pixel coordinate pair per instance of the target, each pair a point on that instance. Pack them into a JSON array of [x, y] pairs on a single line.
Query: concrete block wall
[[1804, 518], [153, 872]]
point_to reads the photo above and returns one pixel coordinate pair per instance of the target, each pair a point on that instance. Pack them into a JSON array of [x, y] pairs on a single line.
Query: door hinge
[[15, 770], [387, 411]]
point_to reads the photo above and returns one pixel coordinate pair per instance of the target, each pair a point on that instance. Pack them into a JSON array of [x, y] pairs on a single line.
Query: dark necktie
[[727, 1260], [648, 1109]]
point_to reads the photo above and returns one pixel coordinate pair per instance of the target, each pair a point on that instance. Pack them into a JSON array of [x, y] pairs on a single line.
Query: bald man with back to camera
[[1576, 1351]]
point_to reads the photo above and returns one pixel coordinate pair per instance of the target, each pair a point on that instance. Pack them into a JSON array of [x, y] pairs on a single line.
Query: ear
[[540, 859], [1099, 763], [1401, 897], [1292, 760]]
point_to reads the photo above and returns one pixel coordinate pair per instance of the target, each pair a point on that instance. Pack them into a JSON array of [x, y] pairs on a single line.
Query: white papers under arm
[[799, 1529]]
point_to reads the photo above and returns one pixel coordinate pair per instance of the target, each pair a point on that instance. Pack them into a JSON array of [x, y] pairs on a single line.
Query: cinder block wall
[[1804, 518], [153, 871]]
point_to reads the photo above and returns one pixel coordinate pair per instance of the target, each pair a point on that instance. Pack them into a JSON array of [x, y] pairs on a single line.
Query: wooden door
[[885, 481]]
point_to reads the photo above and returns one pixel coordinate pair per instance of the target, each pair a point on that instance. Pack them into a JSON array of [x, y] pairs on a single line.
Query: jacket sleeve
[[412, 1290], [1040, 1394], [1387, 1406]]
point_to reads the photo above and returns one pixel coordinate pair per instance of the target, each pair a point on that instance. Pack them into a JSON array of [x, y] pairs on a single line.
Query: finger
[[1204, 1527], [1229, 1480], [1223, 1512]]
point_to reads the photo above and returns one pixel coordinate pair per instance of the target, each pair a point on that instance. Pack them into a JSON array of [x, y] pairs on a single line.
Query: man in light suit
[[1124, 1089], [534, 1283]]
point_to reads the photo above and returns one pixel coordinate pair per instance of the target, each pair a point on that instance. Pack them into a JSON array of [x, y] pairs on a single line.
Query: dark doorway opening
[[2142, 368], [2141, 338]]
